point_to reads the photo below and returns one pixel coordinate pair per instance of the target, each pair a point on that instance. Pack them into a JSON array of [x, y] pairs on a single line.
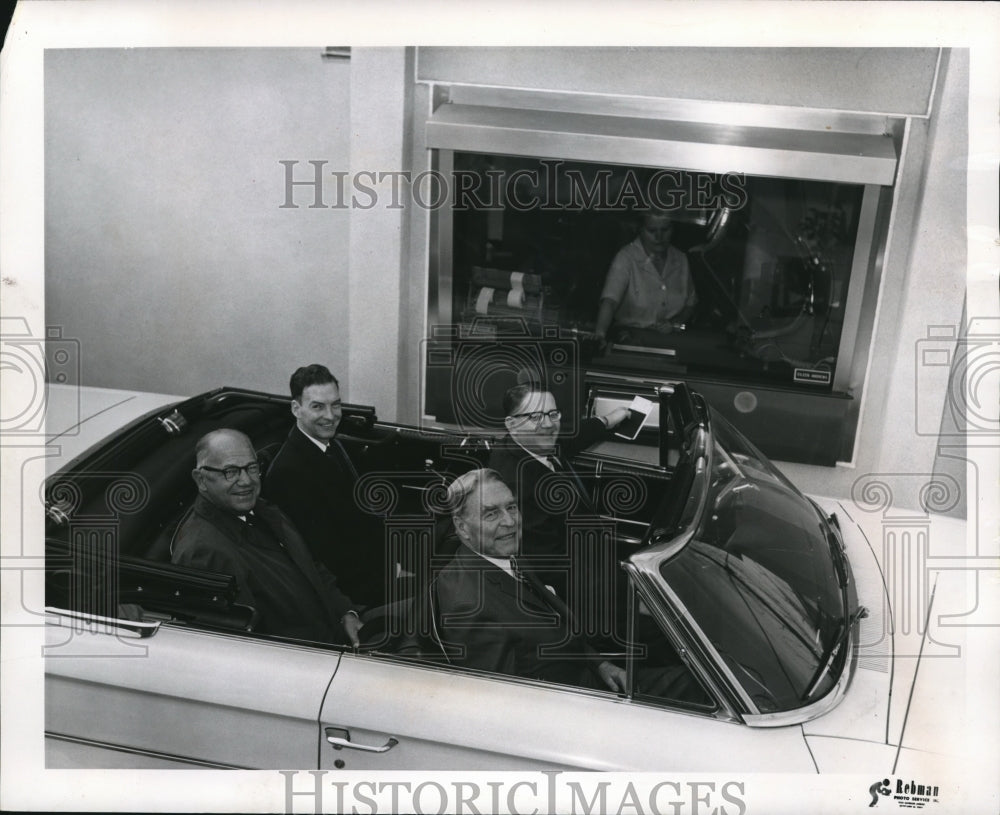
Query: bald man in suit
[[233, 531]]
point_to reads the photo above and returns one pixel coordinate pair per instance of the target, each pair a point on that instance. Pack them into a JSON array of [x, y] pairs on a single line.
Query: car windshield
[[761, 579]]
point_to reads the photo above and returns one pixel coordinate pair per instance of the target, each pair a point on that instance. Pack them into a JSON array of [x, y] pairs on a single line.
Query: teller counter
[[787, 425]]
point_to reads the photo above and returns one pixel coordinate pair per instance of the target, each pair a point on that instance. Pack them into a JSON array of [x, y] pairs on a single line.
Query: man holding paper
[[534, 460]]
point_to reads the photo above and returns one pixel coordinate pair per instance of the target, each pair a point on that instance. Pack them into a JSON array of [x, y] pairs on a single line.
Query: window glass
[[659, 672], [760, 579], [753, 286]]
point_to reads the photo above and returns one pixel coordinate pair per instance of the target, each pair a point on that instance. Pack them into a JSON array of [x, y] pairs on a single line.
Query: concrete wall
[[879, 80], [381, 96], [167, 252], [923, 291]]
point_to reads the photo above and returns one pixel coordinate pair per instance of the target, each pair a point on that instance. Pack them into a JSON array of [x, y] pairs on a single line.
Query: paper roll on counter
[[500, 279], [483, 300]]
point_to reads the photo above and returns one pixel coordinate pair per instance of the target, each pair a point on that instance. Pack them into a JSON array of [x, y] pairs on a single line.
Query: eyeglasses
[[232, 474], [536, 416]]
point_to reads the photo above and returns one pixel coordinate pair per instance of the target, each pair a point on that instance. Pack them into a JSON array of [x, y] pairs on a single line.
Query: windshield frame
[[664, 544]]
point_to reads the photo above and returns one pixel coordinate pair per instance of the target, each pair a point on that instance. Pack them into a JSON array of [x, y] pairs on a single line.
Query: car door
[[384, 713], [159, 695]]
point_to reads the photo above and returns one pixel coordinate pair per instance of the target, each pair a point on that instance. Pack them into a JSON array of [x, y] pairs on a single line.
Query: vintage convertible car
[[775, 606]]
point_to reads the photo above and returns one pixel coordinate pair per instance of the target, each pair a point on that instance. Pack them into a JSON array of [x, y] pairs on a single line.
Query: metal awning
[[854, 158]]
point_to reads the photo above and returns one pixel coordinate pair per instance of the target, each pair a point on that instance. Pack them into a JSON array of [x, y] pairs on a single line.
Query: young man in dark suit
[[312, 479], [234, 531]]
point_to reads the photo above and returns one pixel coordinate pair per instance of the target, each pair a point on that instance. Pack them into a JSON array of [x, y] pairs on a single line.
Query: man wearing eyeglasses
[[533, 449], [232, 530]]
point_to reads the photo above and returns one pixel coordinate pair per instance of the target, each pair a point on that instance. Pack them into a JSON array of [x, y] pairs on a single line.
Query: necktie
[[336, 451], [261, 530], [559, 467], [549, 598]]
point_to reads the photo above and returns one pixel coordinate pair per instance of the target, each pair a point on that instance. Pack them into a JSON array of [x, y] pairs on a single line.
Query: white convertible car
[[776, 605]]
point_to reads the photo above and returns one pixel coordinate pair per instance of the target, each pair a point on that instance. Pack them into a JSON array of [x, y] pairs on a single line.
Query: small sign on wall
[[811, 376]]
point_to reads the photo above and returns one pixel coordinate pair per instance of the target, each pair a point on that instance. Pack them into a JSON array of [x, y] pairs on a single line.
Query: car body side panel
[[852, 755], [184, 694], [445, 719], [878, 758]]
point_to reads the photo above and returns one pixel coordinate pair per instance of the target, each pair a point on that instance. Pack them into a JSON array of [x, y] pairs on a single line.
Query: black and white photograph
[[429, 408]]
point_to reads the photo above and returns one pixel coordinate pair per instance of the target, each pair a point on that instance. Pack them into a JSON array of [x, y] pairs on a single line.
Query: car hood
[[897, 716]]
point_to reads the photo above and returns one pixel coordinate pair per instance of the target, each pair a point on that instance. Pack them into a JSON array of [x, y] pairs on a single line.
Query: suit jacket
[[274, 571], [316, 490], [543, 532], [503, 626]]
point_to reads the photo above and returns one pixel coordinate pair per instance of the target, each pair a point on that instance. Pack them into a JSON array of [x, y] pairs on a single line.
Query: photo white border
[[41, 24]]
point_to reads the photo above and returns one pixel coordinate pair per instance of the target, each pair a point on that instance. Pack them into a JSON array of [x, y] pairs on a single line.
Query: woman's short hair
[[653, 212]]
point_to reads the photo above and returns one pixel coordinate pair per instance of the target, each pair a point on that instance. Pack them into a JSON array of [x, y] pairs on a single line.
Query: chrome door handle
[[340, 743]]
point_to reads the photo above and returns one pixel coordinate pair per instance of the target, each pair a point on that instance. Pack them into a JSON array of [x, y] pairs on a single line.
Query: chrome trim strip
[[452, 671], [118, 748], [823, 705], [860, 267], [735, 685], [724, 710], [441, 277], [688, 110], [632, 610], [594, 379], [142, 629]]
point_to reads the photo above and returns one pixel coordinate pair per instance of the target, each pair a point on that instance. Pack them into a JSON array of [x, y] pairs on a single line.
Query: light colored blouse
[[643, 297]]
